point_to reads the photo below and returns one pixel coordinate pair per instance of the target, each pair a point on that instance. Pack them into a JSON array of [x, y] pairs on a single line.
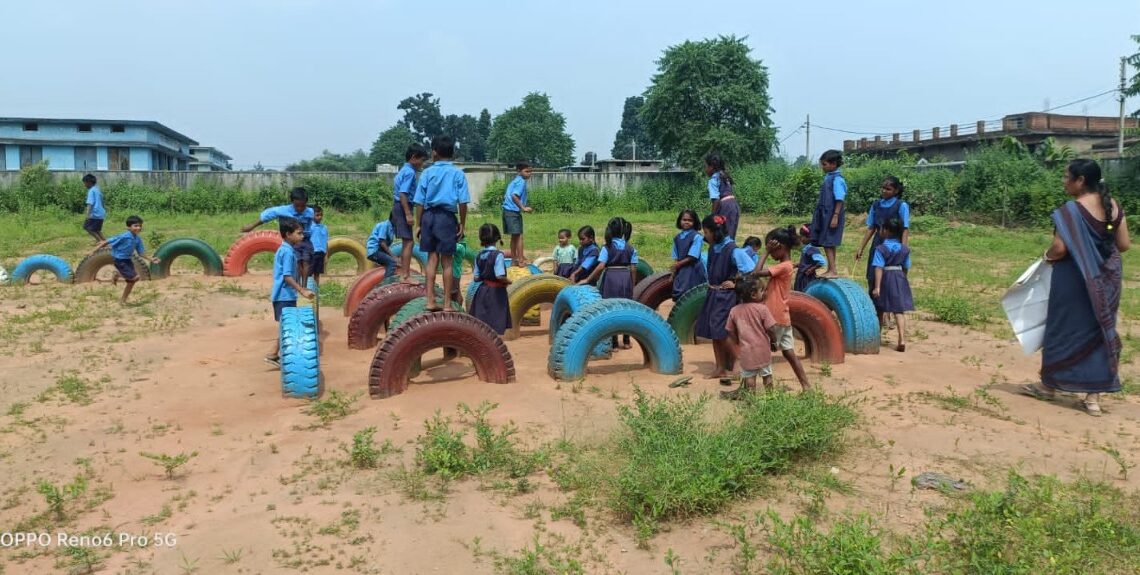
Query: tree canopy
[[357, 161], [534, 132], [391, 144], [633, 130]]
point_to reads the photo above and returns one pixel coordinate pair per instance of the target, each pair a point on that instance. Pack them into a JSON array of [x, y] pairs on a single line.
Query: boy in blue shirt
[[403, 218], [319, 237], [286, 278], [441, 192], [297, 209], [123, 248], [93, 219], [514, 204], [377, 247]]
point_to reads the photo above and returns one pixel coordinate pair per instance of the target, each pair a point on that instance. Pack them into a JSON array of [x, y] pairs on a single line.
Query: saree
[[1081, 352]]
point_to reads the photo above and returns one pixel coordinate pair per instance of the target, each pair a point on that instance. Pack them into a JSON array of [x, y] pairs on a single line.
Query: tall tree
[[710, 95], [391, 144], [1133, 89], [483, 126], [422, 116], [466, 133], [633, 130], [589, 159], [534, 132]]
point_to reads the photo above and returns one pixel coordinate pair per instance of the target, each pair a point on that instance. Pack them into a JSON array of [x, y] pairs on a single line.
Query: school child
[[298, 209], [489, 303], [617, 262], [587, 255], [720, 193], [286, 278], [514, 205], [891, 261], [778, 244], [748, 326], [811, 260], [888, 207], [123, 248], [828, 221], [319, 236], [379, 247], [440, 194], [752, 246], [402, 217], [725, 263], [564, 254], [96, 213], [687, 245]]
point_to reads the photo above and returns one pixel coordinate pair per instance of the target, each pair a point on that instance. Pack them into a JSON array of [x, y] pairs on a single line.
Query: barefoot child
[[489, 303], [123, 248], [319, 236], [617, 262], [587, 254], [440, 194], [402, 217], [514, 205], [748, 326], [726, 261], [687, 245], [96, 213], [889, 206], [779, 243], [891, 292], [379, 247], [297, 209], [286, 279], [828, 220], [811, 260], [564, 254]]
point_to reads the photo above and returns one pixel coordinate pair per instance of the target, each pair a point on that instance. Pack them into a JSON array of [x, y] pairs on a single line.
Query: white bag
[[1027, 303]]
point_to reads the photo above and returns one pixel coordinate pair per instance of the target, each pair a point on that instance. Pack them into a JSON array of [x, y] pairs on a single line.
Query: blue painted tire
[[42, 262], [855, 311], [417, 254], [567, 303], [600, 321], [300, 353]]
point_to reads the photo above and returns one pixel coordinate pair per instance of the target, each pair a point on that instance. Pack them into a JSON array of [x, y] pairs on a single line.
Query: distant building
[[1086, 135], [96, 145], [629, 165], [207, 159]]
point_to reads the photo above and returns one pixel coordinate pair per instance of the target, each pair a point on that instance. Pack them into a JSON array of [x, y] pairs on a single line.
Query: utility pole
[[807, 139], [633, 143], [1120, 138]]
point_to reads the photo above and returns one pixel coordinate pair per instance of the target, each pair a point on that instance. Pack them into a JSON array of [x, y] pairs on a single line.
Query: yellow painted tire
[[527, 293], [342, 244]]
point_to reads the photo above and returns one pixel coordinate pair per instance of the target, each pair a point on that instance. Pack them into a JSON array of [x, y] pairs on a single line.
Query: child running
[[379, 247], [726, 262], [319, 236], [811, 260], [402, 217], [564, 254], [891, 262], [778, 244], [687, 245], [489, 303], [123, 248], [514, 205], [297, 209], [617, 262], [587, 255], [286, 279], [96, 213], [720, 193], [440, 194], [748, 326], [828, 221], [889, 206]]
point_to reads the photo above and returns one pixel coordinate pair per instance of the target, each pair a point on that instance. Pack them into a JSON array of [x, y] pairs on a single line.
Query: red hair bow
[[720, 220]]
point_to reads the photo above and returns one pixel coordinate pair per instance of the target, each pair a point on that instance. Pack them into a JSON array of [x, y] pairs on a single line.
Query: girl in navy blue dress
[[888, 207], [587, 255], [891, 261], [726, 261], [720, 193], [811, 260], [617, 262], [828, 220], [489, 303], [687, 269]]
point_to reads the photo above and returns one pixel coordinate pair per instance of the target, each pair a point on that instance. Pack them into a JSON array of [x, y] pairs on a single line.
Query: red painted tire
[[394, 358], [654, 290], [237, 257], [817, 327], [375, 310], [360, 289]]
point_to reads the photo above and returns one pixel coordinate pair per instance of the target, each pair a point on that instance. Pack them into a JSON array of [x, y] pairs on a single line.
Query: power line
[[794, 132]]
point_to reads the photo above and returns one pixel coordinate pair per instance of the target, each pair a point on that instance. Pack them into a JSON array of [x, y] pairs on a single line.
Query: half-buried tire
[[360, 288], [376, 309], [654, 290], [855, 311], [346, 245], [394, 358], [529, 292], [300, 353], [643, 271], [88, 268], [567, 303], [817, 328], [237, 257], [178, 247], [42, 262], [600, 321], [683, 316]]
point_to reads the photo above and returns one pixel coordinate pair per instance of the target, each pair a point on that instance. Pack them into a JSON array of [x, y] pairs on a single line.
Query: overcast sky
[[274, 81]]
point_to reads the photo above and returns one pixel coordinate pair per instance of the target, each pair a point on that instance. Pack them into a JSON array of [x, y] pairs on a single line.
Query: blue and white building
[[93, 145], [207, 159]]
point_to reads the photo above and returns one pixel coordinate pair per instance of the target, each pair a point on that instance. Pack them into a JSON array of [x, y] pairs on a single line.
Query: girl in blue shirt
[[587, 254], [720, 193], [891, 290], [617, 262], [490, 303], [726, 262], [889, 206], [687, 244]]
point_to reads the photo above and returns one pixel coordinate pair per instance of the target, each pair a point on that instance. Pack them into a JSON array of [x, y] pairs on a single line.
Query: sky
[[276, 81]]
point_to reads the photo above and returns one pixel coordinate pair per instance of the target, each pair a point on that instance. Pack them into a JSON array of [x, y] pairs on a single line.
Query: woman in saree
[[1081, 352]]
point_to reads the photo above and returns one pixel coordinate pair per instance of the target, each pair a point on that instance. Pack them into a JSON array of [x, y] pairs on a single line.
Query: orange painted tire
[[238, 256], [360, 288], [817, 328]]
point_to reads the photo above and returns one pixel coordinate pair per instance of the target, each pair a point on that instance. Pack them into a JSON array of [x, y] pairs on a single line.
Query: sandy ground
[[268, 488]]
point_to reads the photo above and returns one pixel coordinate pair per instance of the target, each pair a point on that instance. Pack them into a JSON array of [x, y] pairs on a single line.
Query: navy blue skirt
[[712, 322], [490, 305], [731, 212], [564, 270], [688, 277], [617, 282], [894, 294]]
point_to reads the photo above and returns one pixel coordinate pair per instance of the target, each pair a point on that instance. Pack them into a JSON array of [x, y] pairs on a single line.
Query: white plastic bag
[[1027, 303]]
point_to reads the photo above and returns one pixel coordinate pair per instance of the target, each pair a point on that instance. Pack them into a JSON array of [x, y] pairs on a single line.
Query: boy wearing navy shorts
[[286, 279], [514, 205], [96, 213], [441, 193], [123, 248], [402, 217], [297, 209], [319, 238]]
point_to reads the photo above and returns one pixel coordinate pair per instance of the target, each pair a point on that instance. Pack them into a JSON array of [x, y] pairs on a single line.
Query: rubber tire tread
[[528, 292], [392, 363], [376, 309], [411, 309], [361, 287], [654, 290], [237, 257], [567, 303], [89, 266], [300, 353], [347, 245], [193, 247], [602, 319], [643, 270], [855, 311], [683, 316], [47, 262], [542, 264], [819, 330]]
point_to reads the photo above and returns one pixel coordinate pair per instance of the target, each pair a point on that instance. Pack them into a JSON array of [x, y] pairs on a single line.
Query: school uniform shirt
[[565, 255], [839, 187], [752, 253], [714, 186], [500, 265], [695, 248], [817, 257], [442, 186], [304, 216], [284, 265], [320, 238], [904, 212], [124, 245], [619, 244], [95, 200], [589, 261], [893, 246], [517, 187], [405, 183], [383, 232], [744, 263]]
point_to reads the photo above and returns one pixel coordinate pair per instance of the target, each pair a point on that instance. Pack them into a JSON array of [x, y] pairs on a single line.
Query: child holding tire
[[123, 248], [687, 246], [891, 290], [514, 205], [725, 263], [778, 244], [440, 195], [490, 303], [319, 236], [748, 326], [617, 264], [286, 279]]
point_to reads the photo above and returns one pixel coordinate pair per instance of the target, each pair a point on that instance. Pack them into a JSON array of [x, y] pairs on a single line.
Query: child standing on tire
[[564, 254], [617, 264], [811, 260], [297, 209], [514, 205], [687, 244], [440, 194], [403, 217], [726, 262], [828, 220], [587, 254], [489, 303], [319, 236], [379, 247], [286, 279], [748, 326], [96, 213], [891, 262], [778, 244], [123, 248], [720, 193]]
